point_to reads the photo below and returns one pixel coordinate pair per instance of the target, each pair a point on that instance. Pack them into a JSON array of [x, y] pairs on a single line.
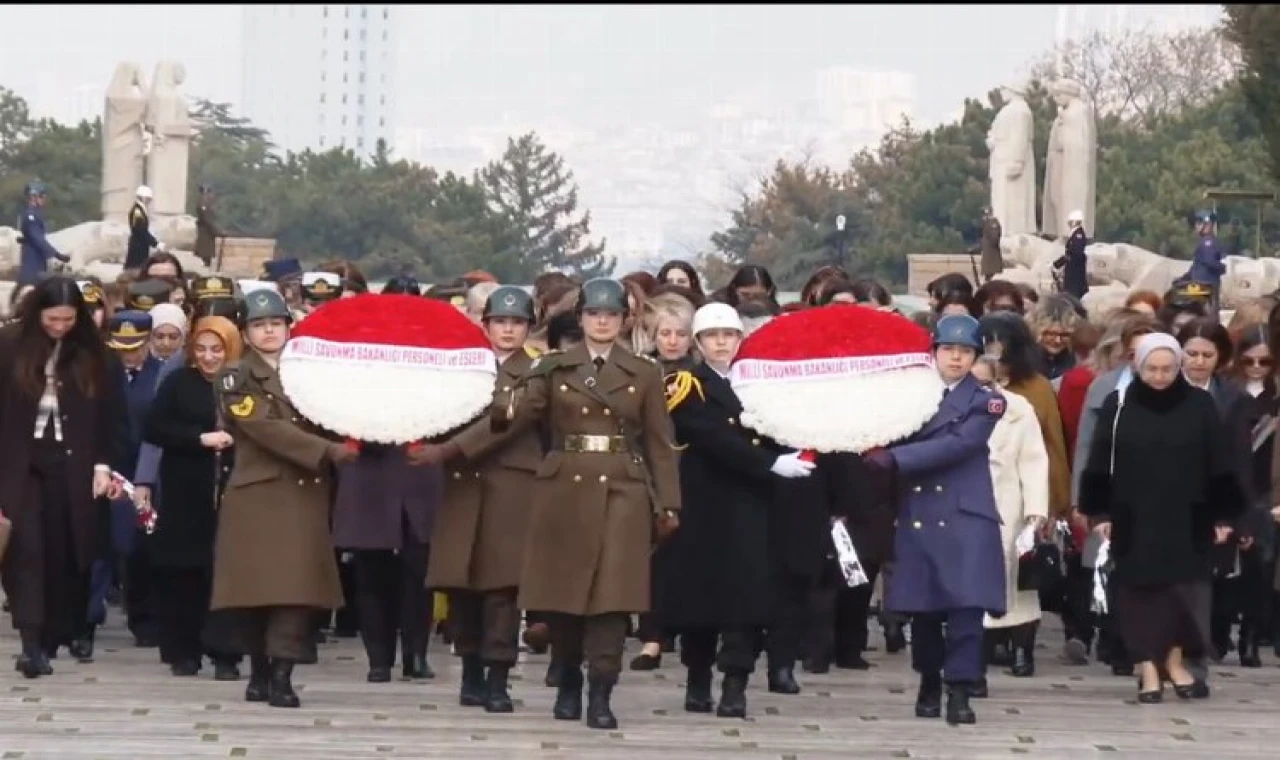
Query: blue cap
[[34, 187], [957, 330], [281, 269], [129, 330], [1206, 217]]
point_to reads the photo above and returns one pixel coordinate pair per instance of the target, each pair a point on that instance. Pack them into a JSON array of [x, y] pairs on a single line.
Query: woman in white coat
[[1020, 476]]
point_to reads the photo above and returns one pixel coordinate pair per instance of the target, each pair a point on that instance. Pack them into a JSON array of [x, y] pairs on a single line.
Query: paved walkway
[[127, 706]]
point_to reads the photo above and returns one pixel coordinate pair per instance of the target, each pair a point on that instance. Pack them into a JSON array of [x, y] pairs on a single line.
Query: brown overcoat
[[590, 531], [1039, 392], [479, 537], [273, 546]]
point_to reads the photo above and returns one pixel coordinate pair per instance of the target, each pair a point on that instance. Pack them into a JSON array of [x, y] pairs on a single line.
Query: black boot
[[1249, 657], [569, 693], [414, 654], [958, 710], [697, 692], [259, 677], [894, 639], [82, 647], [783, 681], [599, 712], [472, 692], [978, 689], [33, 662], [733, 696], [1024, 645], [929, 698], [225, 670], [280, 686], [552, 678], [497, 700]]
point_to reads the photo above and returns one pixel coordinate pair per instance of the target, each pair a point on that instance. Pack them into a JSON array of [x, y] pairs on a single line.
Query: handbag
[[1041, 567]]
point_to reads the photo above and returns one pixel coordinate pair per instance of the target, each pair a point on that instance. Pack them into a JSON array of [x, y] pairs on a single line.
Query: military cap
[[321, 286], [1205, 217], [129, 330], [218, 307], [1191, 291], [91, 292], [213, 286], [402, 285], [603, 294], [957, 330], [509, 301], [34, 187], [144, 294], [265, 304], [281, 269], [455, 295]]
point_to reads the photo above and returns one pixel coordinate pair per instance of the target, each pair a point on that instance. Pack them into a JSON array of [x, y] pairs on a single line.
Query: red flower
[[836, 331], [393, 320]]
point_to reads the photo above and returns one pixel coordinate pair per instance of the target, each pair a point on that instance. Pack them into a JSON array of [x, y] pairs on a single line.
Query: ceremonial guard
[[273, 559], [992, 259], [36, 249], [948, 554], [480, 531], [207, 230], [141, 241], [717, 574], [610, 475], [1074, 263]]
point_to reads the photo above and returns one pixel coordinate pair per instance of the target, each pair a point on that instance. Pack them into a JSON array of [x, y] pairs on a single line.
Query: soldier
[[992, 261], [1207, 265], [319, 288], [949, 559], [480, 529], [1074, 264], [207, 229], [36, 249], [596, 496], [141, 241], [273, 560]]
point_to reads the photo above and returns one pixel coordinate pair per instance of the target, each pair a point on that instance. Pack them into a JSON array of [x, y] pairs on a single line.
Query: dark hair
[[161, 258], [746, 276], [1014, 336], [758, 308], [178, 283], [83, 351], [1029, 294], [695, 281], [1211, 330], [954, 297], [950, 283], [352, 278], [1250, 338], [811, 293], [644, 280], [694, 297], [548, 280], [869, 290], [1174, 307], [998, 290], [402, 284], [832, 288], [562, 328]]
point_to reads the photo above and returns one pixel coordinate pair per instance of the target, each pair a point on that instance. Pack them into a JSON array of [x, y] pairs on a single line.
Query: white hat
[[144, 192], [1076, 216], [716, 315], [168, 314]]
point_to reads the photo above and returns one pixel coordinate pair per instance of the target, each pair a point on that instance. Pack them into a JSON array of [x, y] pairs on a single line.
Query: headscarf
[[1152, 342], [168, 314], [226, 331]]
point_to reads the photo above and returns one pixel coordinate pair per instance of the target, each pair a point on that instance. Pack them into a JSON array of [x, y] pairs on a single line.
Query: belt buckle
[[596, 444]]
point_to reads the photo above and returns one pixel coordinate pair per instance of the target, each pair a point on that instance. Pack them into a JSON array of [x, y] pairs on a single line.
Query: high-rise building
[[321, 76], [864, 101]]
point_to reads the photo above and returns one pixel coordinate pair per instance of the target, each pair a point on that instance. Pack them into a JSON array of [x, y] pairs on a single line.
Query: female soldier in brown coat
[[273, 558], [610, 473]]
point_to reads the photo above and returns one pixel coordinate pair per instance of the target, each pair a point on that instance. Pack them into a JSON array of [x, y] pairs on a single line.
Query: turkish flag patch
[[995, 406]]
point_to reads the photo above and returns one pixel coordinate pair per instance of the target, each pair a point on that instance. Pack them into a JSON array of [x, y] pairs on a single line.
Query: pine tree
[[532, 189]]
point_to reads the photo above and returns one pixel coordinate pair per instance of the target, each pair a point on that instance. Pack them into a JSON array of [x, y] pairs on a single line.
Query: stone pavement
[[127, 706]]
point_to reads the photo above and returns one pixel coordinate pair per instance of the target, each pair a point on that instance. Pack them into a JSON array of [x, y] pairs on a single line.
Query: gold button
[[563, 387], [917, 525], [302, 482], [506, 389], [293, 419], [942, 523], [755, 441], [604, 478], [586, 410], [68, 452], [457, 476], [226, 468], [269, 397], [577, 478], [916, 489], [631, 389], [607, 413], [317, 480], [477, 475], [938, 489], [732, 421]]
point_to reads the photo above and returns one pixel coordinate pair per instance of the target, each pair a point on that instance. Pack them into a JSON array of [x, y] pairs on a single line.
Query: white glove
[[791, 466]]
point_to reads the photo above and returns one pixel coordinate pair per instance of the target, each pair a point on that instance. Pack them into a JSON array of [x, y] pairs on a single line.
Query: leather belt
[[595, 444]]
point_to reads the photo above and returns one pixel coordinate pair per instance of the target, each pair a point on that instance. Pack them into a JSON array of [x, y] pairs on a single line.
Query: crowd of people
[[613, 490]]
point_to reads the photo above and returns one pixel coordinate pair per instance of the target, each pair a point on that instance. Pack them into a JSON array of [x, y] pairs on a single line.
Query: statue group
[[146, 139]]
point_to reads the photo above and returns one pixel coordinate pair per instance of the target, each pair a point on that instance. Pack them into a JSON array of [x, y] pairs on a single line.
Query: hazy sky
[[466, 65]]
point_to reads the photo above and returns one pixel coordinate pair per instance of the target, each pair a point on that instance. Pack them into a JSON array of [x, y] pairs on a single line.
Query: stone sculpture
[[1071, 167], [169, 122], [123, 141], [1013, 165]]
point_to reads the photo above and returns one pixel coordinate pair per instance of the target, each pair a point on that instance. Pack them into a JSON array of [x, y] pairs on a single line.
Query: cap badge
[[510, 300]]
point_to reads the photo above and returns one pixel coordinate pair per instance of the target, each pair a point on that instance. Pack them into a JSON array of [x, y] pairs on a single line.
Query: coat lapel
[[952, 405], [268, 377], [581, 373], [618, 372]]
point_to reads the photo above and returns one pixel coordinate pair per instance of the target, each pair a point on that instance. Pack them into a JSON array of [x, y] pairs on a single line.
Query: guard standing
[[1207, 265], [992, 260], [207, 229], [480, 531], [273, 559], [141, 241], [1074, 263], [611, 474], [949, 559], [36, 249]]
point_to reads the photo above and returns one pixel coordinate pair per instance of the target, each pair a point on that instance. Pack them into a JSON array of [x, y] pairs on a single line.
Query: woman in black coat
[[1160, 481], [183, 421]]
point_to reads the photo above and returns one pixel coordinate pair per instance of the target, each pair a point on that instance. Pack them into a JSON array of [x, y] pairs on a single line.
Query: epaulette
[[678, 385], [232, 380], [532, 352], [648, 358], [545, 363]]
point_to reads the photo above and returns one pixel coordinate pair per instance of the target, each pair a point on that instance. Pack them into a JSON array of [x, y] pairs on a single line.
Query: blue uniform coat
[[36, 249], [947, 549]]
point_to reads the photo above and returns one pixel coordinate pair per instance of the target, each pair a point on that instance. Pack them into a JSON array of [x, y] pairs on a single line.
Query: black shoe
[[978, 689], [497, 700], [894, 639], [259, 676], [33, 665], [1024, 662], [82, 648], [185, 668], [569, 693], [1000, 654], [552, 678], [852, 662], [1249, 656], [599, 712], [646, 662], [929, 698], [226, 671], [280, 685], [958, 710], [697, 692], [783, 681], [733, 696], [1153, 697], [145, 640], [1197, 689], [379, 674], [472, 691], [416, 667]]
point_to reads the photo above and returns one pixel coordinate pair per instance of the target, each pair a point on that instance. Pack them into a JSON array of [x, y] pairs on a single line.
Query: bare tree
[[1141, 75]]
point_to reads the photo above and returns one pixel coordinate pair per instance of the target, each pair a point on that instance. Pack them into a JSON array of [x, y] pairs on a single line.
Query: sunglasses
[[1250, 361]]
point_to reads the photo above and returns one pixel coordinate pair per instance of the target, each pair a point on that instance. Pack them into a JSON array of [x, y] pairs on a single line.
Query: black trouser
[[283, 633], [1078, 620], [739, 648], [1243, 598], [838, 617], [182, 611], [597, 639], [346, 619], [785, 634], [486, 623], [139, 597], [391, 599]]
